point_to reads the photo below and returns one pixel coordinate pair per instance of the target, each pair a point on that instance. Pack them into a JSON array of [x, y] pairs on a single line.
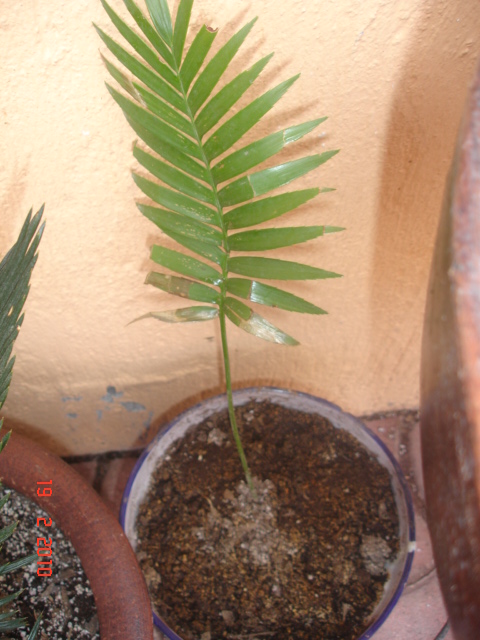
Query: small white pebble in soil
[[216, 436], [375, 552], [228, 617], [152, 578], [345, 609], [228, 495], [382, 510]]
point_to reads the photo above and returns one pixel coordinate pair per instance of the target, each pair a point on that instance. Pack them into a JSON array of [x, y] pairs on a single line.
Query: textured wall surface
[[391, 75]]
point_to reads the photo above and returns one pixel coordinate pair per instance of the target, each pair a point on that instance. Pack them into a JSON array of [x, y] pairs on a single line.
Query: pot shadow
[[419, 145]]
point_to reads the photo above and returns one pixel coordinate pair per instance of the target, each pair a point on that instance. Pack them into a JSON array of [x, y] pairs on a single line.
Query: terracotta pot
[[121, 597], [450, 411], [139, 481]]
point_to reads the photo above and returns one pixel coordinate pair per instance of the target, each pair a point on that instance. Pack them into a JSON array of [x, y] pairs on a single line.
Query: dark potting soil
[[65, 598], [306, 559]]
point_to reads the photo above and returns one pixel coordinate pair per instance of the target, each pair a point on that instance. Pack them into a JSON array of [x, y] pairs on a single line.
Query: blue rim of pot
[[378, 622]]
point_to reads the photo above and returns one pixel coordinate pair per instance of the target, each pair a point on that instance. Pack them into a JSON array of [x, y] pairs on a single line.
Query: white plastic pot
[[139, 481]]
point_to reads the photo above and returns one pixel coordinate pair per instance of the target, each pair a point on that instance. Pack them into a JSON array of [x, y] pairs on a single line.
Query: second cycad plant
[[173, 109]]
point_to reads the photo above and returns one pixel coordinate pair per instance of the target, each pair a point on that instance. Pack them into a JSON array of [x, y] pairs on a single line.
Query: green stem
[[231, 408], [223, 294]]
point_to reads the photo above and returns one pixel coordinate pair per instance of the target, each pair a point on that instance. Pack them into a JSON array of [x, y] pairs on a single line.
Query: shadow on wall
[[425, 116]]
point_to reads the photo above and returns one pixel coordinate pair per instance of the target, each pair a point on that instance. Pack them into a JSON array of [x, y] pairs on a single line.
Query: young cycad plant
[[174, 109], [15, 271]]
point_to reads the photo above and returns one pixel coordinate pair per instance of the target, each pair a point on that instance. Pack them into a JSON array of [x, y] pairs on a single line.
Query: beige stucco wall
[[392, 76]]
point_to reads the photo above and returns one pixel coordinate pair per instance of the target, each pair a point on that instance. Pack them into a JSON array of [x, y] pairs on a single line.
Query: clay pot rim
[[409, 535]]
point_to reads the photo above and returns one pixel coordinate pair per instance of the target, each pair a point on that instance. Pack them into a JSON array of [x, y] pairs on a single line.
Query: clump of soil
[[305, 558], [65, 598]]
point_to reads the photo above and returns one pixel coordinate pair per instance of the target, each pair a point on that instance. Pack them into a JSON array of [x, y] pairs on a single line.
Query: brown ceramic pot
[[123, 604], [450, 412]]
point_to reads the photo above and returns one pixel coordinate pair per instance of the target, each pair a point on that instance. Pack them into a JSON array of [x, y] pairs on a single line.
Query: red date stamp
[[44, 545]]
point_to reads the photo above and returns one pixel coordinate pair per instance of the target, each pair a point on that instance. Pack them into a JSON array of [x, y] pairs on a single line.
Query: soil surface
[[65, 598], [305, 559]]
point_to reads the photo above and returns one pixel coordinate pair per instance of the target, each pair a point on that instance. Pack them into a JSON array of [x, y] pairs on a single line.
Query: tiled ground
[[420, 614]]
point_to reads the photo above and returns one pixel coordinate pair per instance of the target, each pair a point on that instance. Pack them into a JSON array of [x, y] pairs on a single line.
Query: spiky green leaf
[[4, 440], [209, 251], [35, 629], [4, 499], [199, 238], [253, 323], [10, 567], [174, 178], [271, 296], [15, 271], [176, 201], [227, 134], [181, 28], [196, 55], [7, 599], [150, 101], [212, 73], [155, 125], [10, 623], [149, 55], [161, 18], [260, 211], [166, 113], [7, 531], [261, 182], [183, 287], [172, 154], [266, 239], [174, 223], [227, 97], [187, 266], [188, 314], [257, 152], [271, 269], [150, 32], [143, 72]]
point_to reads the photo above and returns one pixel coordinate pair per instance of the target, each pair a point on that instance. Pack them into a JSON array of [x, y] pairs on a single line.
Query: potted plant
[[205, 188], [119, 588], [15, 271]]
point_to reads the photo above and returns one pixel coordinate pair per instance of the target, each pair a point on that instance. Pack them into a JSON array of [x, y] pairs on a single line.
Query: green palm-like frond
[[204, 185], [15, 271], [171, 102]]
